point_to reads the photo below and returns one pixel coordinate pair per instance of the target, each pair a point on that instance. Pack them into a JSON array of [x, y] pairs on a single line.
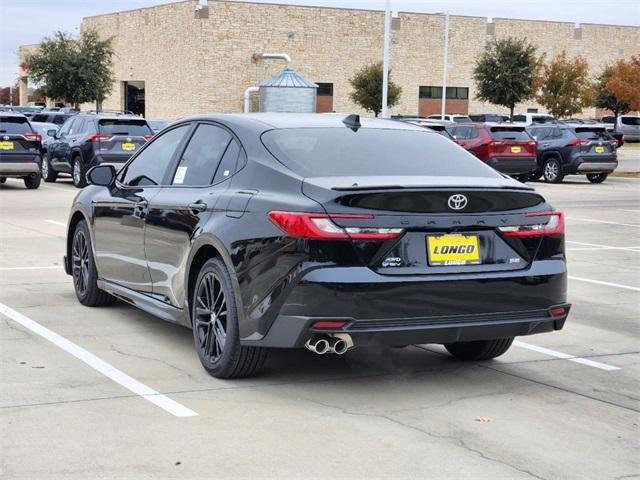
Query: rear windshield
[[509, 133], [14, 125], [630, 120], [136, 128], [334, 152], [542, 119], [461, 119], [590, 133]]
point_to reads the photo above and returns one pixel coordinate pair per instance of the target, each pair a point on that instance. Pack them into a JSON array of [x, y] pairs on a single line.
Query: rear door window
[[509, 133], [202, 156], [130, 127], [14, 125], [630, 120]]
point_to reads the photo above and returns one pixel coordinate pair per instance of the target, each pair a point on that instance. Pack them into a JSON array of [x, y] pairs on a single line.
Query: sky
[[24, 22]]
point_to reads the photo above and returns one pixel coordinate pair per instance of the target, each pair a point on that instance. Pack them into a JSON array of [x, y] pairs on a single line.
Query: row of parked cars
[[50, 143], [537, 146]]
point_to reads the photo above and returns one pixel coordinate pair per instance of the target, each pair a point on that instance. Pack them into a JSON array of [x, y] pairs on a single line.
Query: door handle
[[197, 207]]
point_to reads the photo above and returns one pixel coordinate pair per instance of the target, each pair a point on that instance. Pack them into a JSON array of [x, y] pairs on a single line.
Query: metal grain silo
[[288, 92]]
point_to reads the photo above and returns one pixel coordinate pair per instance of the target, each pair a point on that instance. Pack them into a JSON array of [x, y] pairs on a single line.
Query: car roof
[[13, 114], [267, 121]]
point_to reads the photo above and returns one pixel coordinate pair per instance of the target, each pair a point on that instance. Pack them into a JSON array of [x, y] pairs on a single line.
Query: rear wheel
[[480, 349], [32, 181], [78, 173], [48, 174], [597, 177], [215, 326], [552, 170], [3, 179], [83, 270], [535, 175]]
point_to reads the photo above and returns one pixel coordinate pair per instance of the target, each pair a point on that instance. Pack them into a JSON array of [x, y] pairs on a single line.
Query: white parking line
[[32, 268], [571, 358], [637, 225], [608, 284], [600, 247], [100, 365], [60, 224]]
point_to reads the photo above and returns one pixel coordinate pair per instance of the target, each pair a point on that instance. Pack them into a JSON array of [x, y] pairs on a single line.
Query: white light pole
[[385, 58], [446, 63]]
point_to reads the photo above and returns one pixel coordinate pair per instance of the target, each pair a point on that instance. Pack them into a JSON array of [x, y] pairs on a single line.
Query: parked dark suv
[[90, 139], [273, 230], [573, 149], [51, 117], [19, 149]]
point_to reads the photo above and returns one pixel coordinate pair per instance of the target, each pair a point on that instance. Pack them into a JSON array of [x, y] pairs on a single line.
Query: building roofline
[[352, 9]]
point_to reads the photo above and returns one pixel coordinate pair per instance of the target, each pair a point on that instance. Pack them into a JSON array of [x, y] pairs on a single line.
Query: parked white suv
[[530, 118], [451, 117], [628, 125]]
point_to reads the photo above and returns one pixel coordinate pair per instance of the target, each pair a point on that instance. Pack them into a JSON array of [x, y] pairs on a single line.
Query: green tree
[[565, 86], [76, 70], [505, 74], [367, 89]]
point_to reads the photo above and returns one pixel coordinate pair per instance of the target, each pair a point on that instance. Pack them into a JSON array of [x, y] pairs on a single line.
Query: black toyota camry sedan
[[262, 231]]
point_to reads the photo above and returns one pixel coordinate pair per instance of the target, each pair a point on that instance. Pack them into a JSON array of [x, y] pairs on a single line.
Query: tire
[[3, 179], [552, 170], [214, 315], [78, 173], [32, 181], [49, 175], [537, 175], [597, 177], [83, 270], [522, 178], [479, 350]]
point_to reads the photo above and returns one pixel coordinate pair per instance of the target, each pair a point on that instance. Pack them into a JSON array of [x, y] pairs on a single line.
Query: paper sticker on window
[[180, 174], [226, 173]]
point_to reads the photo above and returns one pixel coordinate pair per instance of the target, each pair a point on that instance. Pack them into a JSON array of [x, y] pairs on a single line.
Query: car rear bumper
[[117, 160], [631, 136], [387, 310], [597, 167], [514, 165], [19, 169]]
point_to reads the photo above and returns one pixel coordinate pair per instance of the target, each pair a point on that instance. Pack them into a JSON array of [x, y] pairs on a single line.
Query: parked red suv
[[507, 148]]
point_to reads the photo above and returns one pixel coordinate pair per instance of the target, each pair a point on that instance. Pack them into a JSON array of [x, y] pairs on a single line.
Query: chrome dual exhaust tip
[[338, 344]]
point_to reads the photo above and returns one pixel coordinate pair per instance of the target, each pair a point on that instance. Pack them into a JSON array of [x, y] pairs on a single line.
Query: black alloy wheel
[[214, 316]]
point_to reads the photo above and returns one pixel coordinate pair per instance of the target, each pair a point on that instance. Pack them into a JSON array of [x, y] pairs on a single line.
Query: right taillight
[[554, 225], [100, 136], [319, 226]]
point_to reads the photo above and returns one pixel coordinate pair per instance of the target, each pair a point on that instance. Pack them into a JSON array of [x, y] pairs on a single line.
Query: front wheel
[[83, 270], [79, 180], [552, 170], [49, 175], [214, 315], [597, 177], [479, 349], [32, 182]]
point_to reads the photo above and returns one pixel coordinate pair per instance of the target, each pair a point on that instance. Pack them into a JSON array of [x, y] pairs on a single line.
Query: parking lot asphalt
[[562, 405]]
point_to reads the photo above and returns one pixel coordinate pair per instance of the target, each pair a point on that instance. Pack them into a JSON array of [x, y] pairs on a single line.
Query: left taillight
[[319, 226], [554, 225], [32, 136], [148, 137], [100, 136]]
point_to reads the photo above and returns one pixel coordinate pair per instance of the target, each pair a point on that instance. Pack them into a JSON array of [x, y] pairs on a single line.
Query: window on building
[[325, 89], [457, 93]]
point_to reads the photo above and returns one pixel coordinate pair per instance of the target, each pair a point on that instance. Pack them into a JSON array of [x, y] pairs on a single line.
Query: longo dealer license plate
[[453, 250]]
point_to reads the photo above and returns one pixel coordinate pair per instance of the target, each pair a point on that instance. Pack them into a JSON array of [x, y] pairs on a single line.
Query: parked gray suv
[[573, 149]]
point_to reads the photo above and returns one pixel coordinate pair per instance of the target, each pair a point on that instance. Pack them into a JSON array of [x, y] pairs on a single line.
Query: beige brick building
[[185, 58]]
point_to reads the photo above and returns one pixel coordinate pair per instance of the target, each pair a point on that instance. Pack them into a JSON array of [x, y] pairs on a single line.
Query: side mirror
[[52, 132], [102, 175]]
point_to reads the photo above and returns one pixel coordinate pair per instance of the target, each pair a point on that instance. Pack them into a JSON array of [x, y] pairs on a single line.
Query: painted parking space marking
[[54, 222], [565, 356], [596, 246], [108, 370], [637, 225], [608, 284], [45, 267]]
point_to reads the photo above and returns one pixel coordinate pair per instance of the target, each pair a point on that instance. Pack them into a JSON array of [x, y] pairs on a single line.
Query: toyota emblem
[[5, 138], [128, 139], [457, 201]]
